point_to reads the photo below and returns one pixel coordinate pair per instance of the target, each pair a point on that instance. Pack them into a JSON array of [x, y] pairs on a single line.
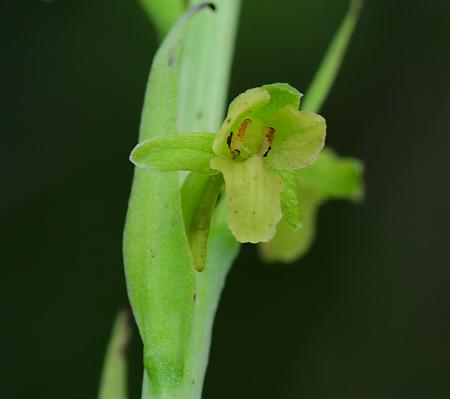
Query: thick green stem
[[202, 91], [204, 76], [159, 267]]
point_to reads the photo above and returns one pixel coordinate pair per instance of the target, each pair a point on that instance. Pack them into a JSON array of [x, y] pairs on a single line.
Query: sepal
[[187, 151]]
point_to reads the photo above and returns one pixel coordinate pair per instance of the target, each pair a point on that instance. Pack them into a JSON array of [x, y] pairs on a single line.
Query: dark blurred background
[[364, 315]]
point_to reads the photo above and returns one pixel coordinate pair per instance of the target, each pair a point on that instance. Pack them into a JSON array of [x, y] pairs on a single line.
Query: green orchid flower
[[261, 144], [331, 177]]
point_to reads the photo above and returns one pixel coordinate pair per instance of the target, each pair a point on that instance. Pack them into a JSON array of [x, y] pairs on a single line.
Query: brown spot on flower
[[242, 129], [270, 134]]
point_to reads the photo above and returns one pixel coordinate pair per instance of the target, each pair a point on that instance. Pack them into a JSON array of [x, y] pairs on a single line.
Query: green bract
[[262, 142]]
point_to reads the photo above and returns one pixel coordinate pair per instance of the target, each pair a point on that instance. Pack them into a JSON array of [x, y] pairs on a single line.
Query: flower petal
[[333, 176], [253, 195], [281, 95], [289, 201], [299, 137], [289, 245], [240, 108]]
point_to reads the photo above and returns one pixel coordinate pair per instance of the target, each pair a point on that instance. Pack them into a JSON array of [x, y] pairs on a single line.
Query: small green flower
[[331, 177], [262, 142]]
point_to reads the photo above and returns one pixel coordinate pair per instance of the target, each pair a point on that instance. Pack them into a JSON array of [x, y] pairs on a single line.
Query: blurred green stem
[[113, 383], [329, 68]]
